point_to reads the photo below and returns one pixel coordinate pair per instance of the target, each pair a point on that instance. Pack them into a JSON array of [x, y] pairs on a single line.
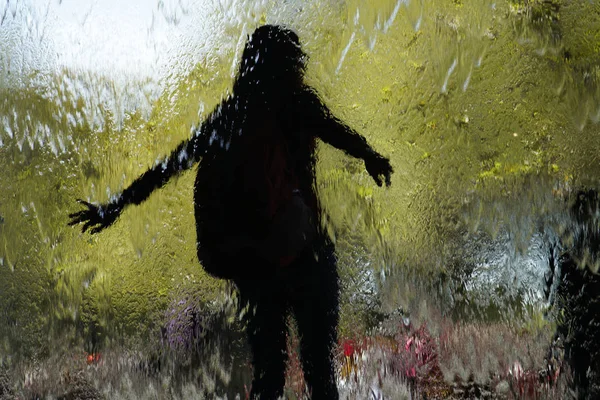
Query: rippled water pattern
[[489, 113]]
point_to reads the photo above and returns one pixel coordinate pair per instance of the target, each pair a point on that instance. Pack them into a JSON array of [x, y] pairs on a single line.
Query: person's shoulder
[[229, 102], [307, 100], [306, 92]]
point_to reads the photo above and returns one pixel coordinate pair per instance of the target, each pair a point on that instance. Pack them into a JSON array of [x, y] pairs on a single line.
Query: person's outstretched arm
[[97, 217], [336, 133]]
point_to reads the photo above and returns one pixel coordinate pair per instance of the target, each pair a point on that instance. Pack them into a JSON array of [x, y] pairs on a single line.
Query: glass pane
[[473, 274]]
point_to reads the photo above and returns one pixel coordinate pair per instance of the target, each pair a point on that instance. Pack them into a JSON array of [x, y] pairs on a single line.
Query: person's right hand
[[378, 166], [95, 217]]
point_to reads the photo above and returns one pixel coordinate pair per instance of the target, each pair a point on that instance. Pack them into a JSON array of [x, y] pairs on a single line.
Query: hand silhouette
[[378, 166], [95, 217]]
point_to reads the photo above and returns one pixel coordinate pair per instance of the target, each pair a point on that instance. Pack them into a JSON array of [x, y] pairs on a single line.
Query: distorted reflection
[[473, 276]]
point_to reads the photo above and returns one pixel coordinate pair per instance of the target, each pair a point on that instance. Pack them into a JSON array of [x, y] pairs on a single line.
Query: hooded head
[[272, 61]]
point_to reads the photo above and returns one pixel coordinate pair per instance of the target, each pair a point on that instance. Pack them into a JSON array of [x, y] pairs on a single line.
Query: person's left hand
[[380, 169]]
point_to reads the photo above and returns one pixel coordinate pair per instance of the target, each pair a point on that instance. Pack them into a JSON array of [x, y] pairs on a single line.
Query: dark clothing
[[243, 183], [308, 288]]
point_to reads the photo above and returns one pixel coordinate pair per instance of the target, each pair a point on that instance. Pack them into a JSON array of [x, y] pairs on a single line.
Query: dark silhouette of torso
[[246, 177]]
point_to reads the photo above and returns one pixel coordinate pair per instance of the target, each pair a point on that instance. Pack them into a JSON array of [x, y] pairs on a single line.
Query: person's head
[[272, 60]]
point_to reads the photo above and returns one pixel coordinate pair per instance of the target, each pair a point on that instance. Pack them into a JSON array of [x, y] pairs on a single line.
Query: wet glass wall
[[473, 274]]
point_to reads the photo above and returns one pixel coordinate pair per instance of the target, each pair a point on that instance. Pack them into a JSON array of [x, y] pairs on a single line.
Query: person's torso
[[267, 156]]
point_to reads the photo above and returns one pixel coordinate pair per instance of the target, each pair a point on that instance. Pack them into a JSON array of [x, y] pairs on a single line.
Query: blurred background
[[489, 113]]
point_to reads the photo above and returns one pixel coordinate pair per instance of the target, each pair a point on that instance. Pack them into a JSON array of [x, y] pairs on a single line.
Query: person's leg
[[315, 302], [266, 329]]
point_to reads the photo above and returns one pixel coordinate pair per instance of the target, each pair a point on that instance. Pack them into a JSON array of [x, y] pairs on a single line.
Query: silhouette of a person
[[258, 217]]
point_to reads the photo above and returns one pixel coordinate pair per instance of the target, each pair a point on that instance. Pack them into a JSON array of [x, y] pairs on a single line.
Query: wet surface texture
[[474, 275]]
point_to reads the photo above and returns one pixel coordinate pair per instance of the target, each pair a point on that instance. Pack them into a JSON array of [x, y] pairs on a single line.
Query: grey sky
[[110, 36]]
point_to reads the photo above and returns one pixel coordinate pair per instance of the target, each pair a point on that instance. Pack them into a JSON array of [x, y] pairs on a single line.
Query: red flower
[[92, 358], [349, 347]]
